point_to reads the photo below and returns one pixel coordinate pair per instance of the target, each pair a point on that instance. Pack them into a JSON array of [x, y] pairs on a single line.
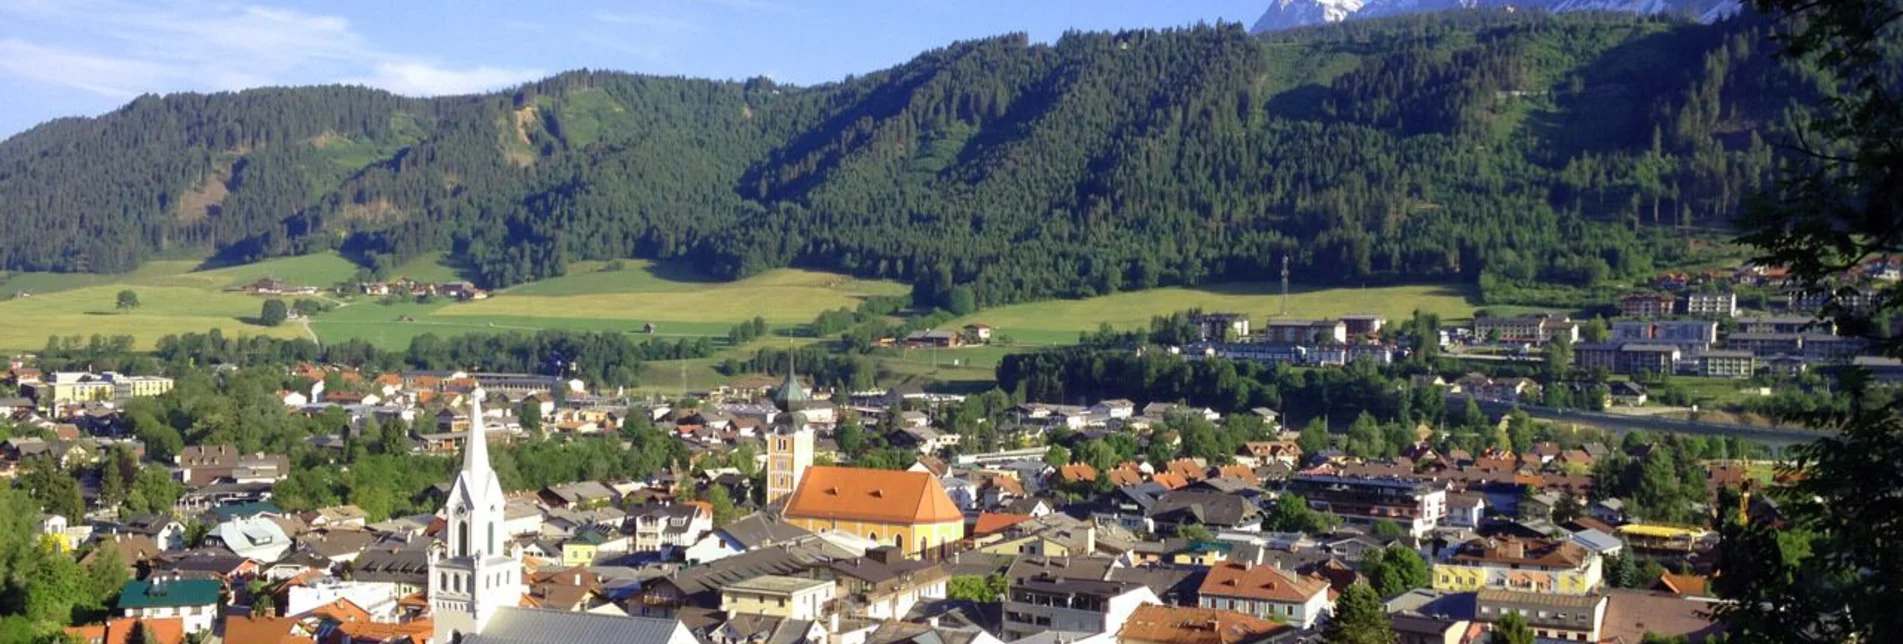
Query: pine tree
[[1359, 618]]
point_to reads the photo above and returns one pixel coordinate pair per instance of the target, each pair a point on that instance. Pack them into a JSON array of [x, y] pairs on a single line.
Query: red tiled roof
[[1265, 582], [1077, 473], [1186, 625], [120, 630], [991, 522], [880, 496]]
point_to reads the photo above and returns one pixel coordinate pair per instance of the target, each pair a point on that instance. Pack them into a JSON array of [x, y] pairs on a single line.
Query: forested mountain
[[1474, 145], [1289, 14]]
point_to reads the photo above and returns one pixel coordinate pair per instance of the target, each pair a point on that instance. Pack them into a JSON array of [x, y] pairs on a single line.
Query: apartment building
[[1417, 505]]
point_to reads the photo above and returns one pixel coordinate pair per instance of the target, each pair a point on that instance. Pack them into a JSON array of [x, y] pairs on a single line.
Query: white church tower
[[479, 570]]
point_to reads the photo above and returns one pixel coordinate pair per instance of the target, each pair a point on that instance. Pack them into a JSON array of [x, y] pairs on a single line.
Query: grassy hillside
[[1059, 321], [163, 310]]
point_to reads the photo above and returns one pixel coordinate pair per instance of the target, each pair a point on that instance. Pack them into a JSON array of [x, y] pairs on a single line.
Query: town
[[773, 322], [779, 510]]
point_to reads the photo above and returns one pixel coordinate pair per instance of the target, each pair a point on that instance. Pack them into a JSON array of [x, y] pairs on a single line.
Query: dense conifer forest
[[1487, 147]]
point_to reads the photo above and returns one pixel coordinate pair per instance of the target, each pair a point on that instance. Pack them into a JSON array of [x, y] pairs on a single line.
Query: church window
[[462, 540]]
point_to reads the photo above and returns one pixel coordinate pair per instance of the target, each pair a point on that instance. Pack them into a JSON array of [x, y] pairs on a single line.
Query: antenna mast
[[1285, 285]]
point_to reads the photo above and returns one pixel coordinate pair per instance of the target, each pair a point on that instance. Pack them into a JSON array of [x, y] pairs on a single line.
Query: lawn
[[428, 267], [163, 310], [643, 293], [1059, 321]]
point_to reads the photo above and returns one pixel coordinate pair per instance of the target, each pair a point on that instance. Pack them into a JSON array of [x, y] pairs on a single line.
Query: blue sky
[[84, 57]]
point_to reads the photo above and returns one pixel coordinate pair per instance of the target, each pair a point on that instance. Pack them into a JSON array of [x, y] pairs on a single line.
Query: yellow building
[[788, 454], [1528, 565], [909, 510]]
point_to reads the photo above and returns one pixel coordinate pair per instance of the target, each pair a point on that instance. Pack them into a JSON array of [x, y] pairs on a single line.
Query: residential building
[[195, 601], [1049, 601], [1786, 324], [1712, 304], [1766, 344], [1687, 335], [1306, 332], [1221, 326], [1364, 325], [1532, 565], [1417, 505], [906, 509], [1626, 358], [1537, 328], [1156, 624], [1726, 364], [1552, 616], [666, 527], [779, 596], [1647, 358], [885, 585], [1819, 347], [1265, 591], [1647, 305]]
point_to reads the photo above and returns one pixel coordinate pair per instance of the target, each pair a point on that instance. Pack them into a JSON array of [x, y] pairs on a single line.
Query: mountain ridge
[[1291, 14], [1412, 148]]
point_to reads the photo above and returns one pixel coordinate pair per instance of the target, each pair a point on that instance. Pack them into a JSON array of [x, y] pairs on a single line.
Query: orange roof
[[1126, 474], [1188, 469], [1683, 584], [342, 610], [1269, 583], [1170, 480], [990, 522], [878, 496], [390, 379], [262, 630], [1186, 625], [386, 631], [1239, 472], [119, 630], [1077, 473]]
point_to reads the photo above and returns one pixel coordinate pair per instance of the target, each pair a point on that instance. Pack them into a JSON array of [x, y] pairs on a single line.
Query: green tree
[[531, 416], [106, 575], [961, 301], [1292, 514], [273, 313], [977, 588], [56, 491], [1396, 569], [1057, 456], [153, 490], [724, 510], [1512, 629], [1359, 618], [1388, 529], [1314, 436], [127, 300]]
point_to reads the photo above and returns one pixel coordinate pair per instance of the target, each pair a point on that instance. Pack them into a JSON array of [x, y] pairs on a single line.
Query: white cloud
[[751, 5], [648, 20], [103, 75], [423, 79], [177, 45]]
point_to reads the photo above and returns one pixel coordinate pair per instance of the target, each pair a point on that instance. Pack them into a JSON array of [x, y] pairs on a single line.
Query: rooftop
[[775, 585], [1183, 625], [878, 496]]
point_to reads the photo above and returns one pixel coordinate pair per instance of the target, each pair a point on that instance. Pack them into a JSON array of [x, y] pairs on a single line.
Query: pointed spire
[[476, 451]]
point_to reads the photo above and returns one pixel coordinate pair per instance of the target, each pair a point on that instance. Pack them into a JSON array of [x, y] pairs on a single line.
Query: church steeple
[[791, 396], [476, 448], [478, 571]]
